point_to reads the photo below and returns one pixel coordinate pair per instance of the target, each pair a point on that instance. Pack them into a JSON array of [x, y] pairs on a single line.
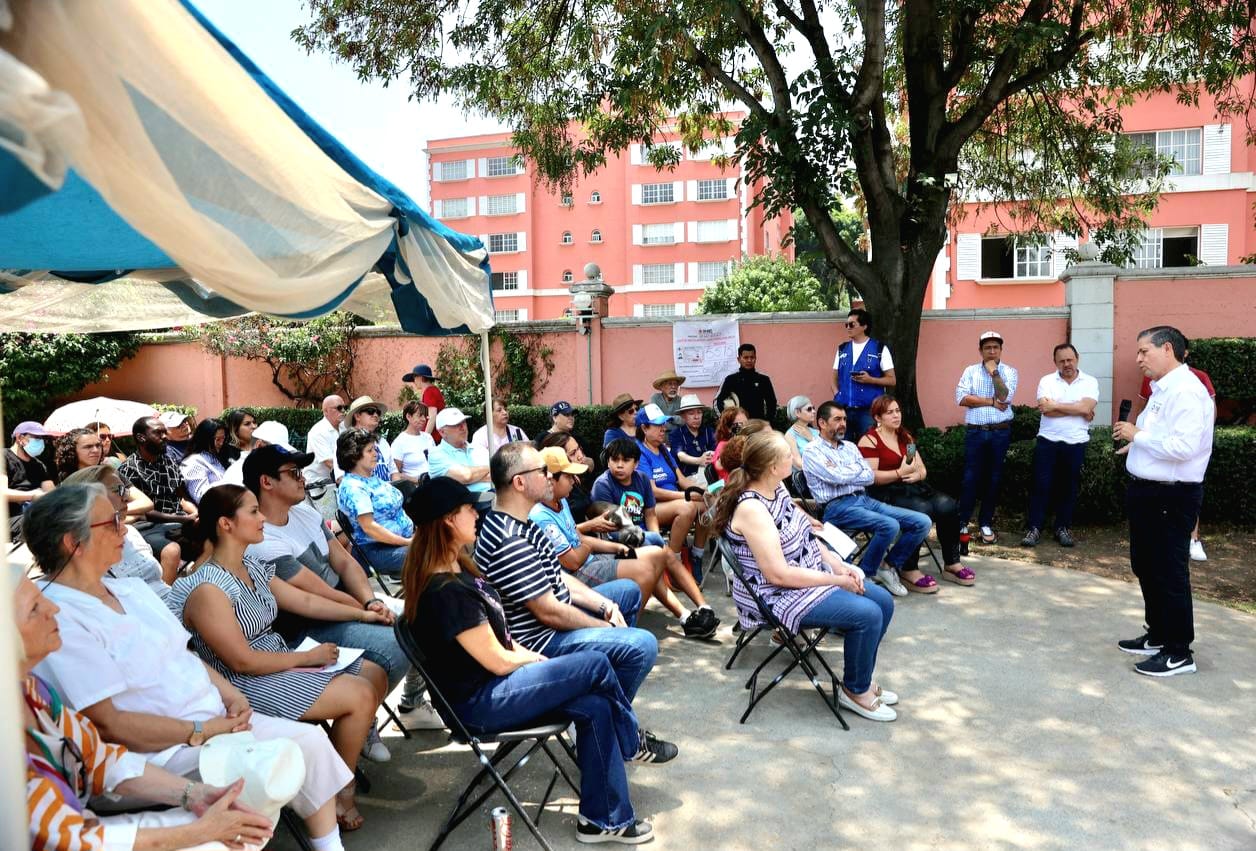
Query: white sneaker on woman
[[888, 578], [1197, 550], [882, 712]]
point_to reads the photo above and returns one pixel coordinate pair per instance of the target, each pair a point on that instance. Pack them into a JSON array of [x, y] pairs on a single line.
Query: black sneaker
[[710, 615], [1031, 539], [1140, 646], [653, 749], [633, 834], [1065, 537], [1165, 664], [700, 624]]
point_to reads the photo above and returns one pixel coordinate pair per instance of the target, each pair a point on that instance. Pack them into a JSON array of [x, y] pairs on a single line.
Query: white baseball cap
[[274, 433], [450, 417]]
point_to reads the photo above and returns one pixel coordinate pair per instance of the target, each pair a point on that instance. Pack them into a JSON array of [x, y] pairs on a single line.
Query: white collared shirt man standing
[[1168, 455], [1066, 399]]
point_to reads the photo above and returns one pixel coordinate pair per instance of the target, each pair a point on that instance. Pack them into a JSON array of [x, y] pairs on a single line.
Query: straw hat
[[689, 402], [670, 375], [364, 402]]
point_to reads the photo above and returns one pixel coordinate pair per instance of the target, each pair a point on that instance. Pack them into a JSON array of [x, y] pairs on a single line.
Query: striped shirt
[[834, 469], [72, 765], [977, 382], [790, 605], [518, 559]]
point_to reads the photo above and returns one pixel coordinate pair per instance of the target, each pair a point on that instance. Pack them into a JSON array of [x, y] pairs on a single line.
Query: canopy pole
[[486, 365]]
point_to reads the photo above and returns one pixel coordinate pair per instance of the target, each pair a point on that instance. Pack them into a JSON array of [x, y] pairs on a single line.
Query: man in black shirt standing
[[28, 477], [753, 390]]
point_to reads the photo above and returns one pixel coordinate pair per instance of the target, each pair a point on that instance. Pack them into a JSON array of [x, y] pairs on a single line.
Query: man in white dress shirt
[[321, 439], [1168, 453], [1066, 399]]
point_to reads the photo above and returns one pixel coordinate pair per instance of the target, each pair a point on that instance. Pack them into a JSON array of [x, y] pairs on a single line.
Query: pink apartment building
[[659, 236], [1205, 214]]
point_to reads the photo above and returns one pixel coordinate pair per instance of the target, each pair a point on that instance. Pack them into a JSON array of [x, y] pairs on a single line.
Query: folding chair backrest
[[405, 640], [798, 482], [362, 558], [764, 614]]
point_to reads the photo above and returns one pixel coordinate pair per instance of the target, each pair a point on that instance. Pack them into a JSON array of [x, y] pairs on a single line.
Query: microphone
[[1123, 414]]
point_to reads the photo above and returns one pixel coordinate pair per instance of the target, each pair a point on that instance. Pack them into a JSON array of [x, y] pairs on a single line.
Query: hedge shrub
[[1231, 364]]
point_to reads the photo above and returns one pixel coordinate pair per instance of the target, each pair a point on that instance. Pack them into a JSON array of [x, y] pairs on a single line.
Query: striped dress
[[790, 605], [71, 766], [283, 694]]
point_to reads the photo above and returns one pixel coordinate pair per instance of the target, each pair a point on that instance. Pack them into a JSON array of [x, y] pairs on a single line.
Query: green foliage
[[519, 373], [307, 360], [1231, 364], [807, 250], [767, 285], [36, 370]]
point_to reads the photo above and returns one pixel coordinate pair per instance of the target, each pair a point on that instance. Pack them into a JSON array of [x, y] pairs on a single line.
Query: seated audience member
[[376, 521], [410, 448], [157, 476], [578, 500], [179, 428], [898, 481], [206, 462], [109, 454], [321, 440], [805, 583], [494, 681], [667, 395], [837, 475], [731, 421], [28, 477], [624, 485], [802, 428], [623, 421], [76, 449], [229, 605], [124, 661], [69, 762], [693, 442], [367, 414], [137, 556], [593, 560], [268, 433], [502, 431], [548, 610], [562, 418], [455, 457], [304, 553], [675, 507], [240, 426]]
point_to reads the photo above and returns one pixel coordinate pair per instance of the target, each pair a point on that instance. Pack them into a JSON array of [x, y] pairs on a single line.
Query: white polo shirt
[[1070, 429], [1175, 441]]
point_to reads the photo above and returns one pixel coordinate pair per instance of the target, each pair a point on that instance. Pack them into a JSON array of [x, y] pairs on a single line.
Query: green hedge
[[1231, 364]]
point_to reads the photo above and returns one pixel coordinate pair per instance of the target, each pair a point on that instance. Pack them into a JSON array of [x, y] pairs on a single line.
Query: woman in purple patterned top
[[806, 584]]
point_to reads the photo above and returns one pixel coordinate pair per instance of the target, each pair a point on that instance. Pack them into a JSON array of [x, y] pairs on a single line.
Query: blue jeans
[[583, 687], [884, 522], [984, 451], [376, 641], [631, 651], [1056, 464], [863, 619], [386, 558]]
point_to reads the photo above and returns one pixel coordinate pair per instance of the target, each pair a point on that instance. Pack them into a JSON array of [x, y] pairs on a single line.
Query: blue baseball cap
[[652, 415], [561, 408]]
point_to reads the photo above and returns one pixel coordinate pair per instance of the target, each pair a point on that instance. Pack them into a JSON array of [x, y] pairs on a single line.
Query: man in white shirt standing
[[986, 389], [1168, 453], [1066, 399], [321, 439]]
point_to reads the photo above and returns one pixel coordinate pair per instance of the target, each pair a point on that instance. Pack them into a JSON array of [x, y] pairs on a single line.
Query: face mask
[[34, 447]]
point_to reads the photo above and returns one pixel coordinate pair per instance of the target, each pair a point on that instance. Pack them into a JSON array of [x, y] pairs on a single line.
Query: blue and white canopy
[[151, 175]]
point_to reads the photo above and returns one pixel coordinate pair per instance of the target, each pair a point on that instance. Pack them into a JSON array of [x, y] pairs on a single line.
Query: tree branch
[[870, 81], [771, 63]]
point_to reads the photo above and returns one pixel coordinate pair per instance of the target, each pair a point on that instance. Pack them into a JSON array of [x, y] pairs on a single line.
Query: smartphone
[[911, 452]]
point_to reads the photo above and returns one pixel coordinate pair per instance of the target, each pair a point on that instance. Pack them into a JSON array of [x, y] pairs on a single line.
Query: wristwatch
[[198, 735]]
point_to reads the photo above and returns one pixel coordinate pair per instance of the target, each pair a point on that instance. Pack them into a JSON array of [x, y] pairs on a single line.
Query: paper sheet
[[838, 540], [348, 655]]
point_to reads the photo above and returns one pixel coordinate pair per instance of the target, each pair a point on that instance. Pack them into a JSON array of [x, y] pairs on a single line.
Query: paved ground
[[1021, 726]]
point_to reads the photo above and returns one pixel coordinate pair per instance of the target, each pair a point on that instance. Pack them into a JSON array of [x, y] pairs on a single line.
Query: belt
[[992, 426], [829, 502], [1152, 482]]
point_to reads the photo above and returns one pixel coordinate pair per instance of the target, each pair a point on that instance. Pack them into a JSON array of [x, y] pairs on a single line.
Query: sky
[[378, 123]]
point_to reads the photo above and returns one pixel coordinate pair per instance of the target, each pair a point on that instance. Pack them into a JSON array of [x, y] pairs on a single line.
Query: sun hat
[[275, 433], [670, 375], [623, 400], [689, 402], [652, 415], [273, 770], [440, 495], [364, 402], [556, 460], [421, 370], [450, 417]]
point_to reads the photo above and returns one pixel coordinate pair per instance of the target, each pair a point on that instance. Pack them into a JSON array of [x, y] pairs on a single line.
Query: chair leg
[[744, 638], [392, 715], [558, 766], [294, 826]]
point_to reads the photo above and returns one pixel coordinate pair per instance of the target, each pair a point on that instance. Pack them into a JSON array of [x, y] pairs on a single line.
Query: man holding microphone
[[1168, 453]]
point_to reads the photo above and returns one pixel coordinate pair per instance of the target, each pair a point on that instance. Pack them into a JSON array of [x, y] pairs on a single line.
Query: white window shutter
[[637, 275], [519, 202], [483, 171], [436, 209], [638, 310], [693, 273], [436, 170], [678, 276], [680, 309], [691, 190], [678, 231], [484, 239], [1214, 244], [523, 241], [523, 279], [484, 205], [967, 256], [732, 187], [728, 145], [678, 191], [693, 231], [1061, 243], [1216, 149], [471, 206], [523, 314], [730, 229], [634, 157], [693, 308], [636, 194], [637, 238]]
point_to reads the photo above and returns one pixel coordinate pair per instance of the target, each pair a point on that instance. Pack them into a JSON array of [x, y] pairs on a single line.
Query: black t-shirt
[[451, 604], [23, 476]]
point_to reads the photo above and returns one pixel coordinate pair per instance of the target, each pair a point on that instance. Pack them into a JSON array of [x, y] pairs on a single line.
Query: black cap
[[267, 461], [441, 495]]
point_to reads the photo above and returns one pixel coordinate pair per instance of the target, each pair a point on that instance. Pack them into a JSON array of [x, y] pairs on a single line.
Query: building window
[[501, 205], [500, 166], [452, 170], [713, 190], [566, 240], [505, 281], [567, 276], [710, 272], [1167, 247], [714, 231], [596, 236], [566, 199], [595, 197], [500, 243], [511, 315], [657, 193], [1001, 257], [453, 208], [1033, 261], [1184, 146], [658, 273], [658, 310], [660, 234]]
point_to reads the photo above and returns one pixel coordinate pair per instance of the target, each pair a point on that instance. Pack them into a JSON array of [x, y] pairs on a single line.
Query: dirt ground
[[1228, 576]]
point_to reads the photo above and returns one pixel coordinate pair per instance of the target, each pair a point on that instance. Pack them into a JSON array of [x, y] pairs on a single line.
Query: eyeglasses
[[542, 469], [118, 520]]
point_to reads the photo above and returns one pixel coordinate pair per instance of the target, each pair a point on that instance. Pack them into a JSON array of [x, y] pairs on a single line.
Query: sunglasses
[[292, 472], [851, 324], [118, 521], [342, 408], [370, 412], [808, 407]]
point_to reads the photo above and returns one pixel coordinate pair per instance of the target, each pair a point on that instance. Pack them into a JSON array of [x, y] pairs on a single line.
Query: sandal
[[348, 818], [963, 576], [924, 585]]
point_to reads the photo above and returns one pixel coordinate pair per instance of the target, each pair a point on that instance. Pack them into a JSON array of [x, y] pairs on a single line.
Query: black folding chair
[[363, 559], [801, 648], [536, 738]]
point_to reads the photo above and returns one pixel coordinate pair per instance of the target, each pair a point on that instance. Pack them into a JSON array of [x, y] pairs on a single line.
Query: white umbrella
[[118, 414]]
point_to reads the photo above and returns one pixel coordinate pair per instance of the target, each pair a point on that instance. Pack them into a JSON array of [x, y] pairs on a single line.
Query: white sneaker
[[423, 717], [888, 578], [881, 713], [1197, 550], [374, 749]]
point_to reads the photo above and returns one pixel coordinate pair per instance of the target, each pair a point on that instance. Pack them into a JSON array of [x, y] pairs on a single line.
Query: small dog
[[627, 532]]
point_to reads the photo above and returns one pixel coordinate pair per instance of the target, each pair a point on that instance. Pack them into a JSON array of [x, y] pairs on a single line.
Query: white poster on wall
[[705, 351]]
